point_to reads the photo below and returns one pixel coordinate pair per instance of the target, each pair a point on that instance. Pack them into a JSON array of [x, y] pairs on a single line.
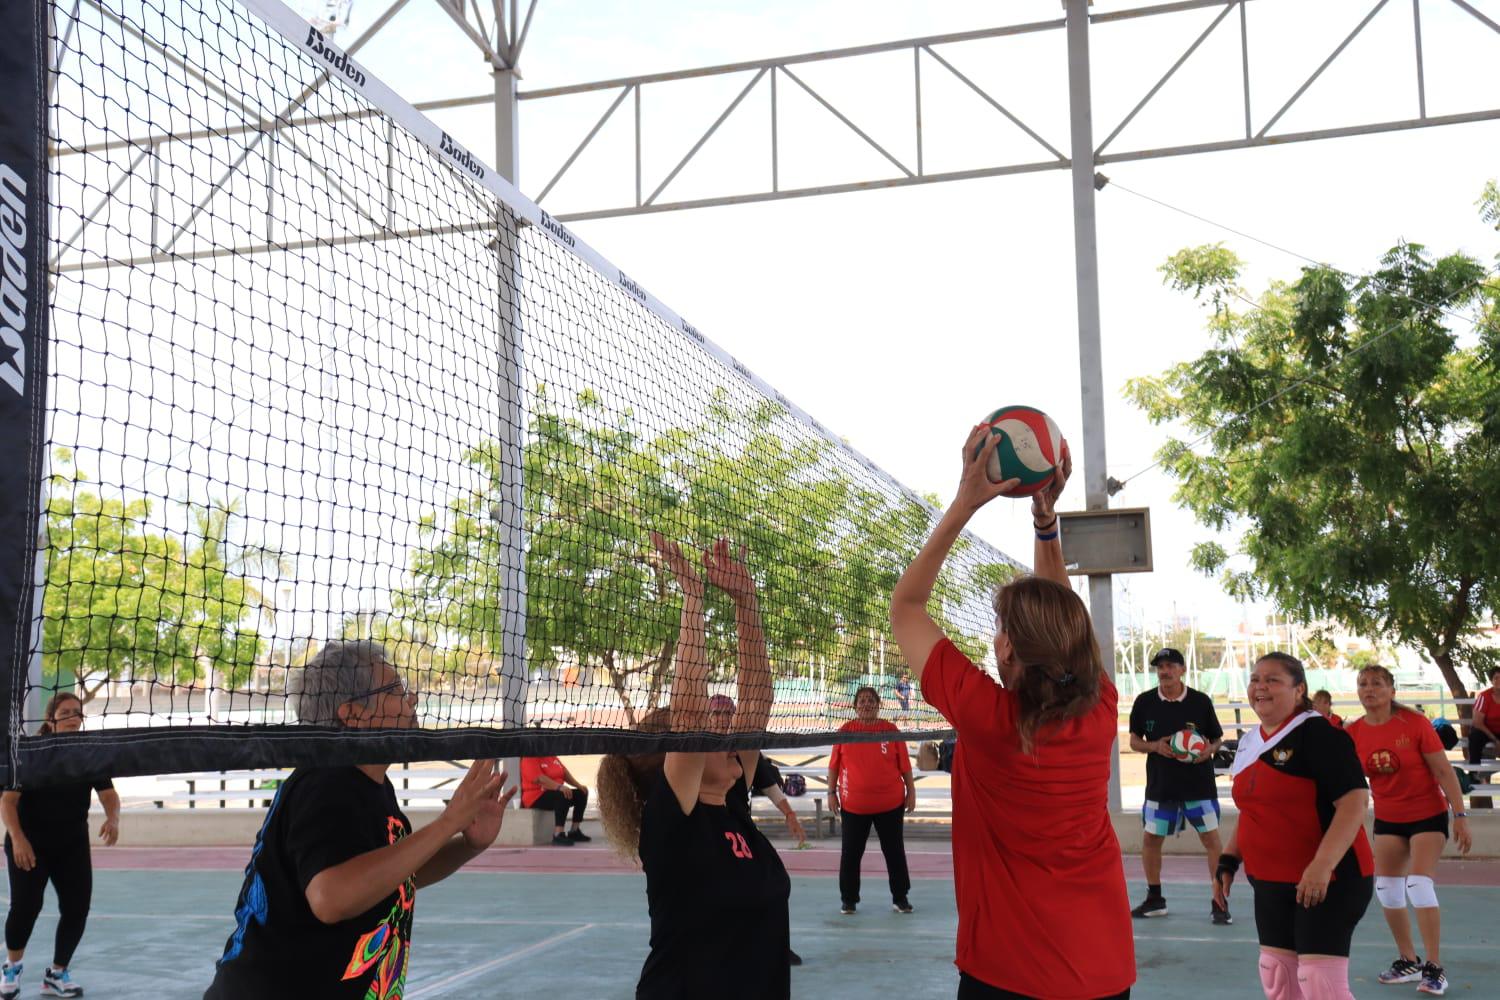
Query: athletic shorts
[[1325, 929], [1406, 831], [1167, 817], [970, 988]]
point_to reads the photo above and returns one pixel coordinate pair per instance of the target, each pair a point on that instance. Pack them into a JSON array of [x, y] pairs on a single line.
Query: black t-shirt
[[718, 897], [1154, 718], [766, 775], [56, 811], [321, 817]]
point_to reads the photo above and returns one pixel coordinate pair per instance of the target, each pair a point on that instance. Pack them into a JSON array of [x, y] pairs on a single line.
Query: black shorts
[[1325, 929], [970, 988], [1432, 824]]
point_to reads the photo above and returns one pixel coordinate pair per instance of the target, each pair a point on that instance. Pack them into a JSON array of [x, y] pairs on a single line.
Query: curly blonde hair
[[624, 782]]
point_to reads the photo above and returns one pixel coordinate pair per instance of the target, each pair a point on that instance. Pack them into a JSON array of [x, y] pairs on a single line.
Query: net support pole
[[512, 422], [1090, 351]]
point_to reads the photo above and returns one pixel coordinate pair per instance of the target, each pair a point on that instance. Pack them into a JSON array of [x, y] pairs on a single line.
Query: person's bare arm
[[1447, 779], [1047, 555], [348, 889], [1348, 819], [21, 849], [911, 624], [688, 699], [752, 712], [109, 830]]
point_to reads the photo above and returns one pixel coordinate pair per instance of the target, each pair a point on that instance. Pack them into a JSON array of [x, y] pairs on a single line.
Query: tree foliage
[[124, 601], [1347, 428]]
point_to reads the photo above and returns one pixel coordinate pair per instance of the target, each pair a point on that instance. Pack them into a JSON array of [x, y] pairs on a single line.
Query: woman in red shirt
[[546, 783], [1413, 784], [1301, 796], [1037, 871], [869, 784]]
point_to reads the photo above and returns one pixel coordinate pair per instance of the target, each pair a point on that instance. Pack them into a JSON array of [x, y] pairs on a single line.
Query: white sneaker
[[10, 980], [59, 984]]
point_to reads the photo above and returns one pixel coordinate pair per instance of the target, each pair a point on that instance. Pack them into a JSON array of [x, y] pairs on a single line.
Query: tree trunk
[[617, 678], [1444, 661], [88, 694], [659, 672]]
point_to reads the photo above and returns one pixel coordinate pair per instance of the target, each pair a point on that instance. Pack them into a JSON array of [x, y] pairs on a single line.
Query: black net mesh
[[309, 379]]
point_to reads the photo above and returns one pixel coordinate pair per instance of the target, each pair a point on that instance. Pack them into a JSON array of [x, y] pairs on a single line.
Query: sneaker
[[901, 906], [847, 909], [1402, 970], [793, 958], [579, 837], [1154, 906], [59, 984], [10, 980], [1221, 915], [1433, 980], [561, 840]]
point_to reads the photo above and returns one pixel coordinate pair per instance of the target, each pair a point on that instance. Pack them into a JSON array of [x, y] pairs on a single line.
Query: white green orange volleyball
[[1030, 448], [1189, 744]]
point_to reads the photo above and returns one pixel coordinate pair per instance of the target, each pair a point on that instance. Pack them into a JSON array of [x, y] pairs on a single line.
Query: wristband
[[1045, 538], [1228, 865], [1044, 527], [1460, 815]]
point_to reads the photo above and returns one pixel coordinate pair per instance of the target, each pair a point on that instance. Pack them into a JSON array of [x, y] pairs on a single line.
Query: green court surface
[[154, 933]]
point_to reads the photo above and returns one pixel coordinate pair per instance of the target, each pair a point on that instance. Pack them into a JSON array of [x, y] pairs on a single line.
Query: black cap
[[1168, 654]]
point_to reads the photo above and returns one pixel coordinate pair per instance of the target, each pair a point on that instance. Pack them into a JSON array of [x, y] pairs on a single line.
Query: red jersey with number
[[1487, 708], [1400, 781], [533, 768], [1286, 803], [870, 779], [1042, 908]]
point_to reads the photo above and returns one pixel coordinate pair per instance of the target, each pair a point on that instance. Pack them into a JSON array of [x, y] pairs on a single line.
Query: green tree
[[121, 601], [1349, 433]]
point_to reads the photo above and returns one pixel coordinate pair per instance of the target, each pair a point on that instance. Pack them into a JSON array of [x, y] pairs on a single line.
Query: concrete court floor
[[550, 922]]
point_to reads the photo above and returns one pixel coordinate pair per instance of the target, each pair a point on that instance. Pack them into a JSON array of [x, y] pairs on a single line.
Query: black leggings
[[64, 860], [1325, 929], [970, 988], [560, 804], [888, 827]]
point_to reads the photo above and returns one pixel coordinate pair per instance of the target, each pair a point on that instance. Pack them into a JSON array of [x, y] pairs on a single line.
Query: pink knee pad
[[1278, 976], [1325, 979]]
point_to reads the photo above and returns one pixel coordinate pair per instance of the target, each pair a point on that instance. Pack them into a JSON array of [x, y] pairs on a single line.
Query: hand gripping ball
[[1188, 744], [1030, 448]]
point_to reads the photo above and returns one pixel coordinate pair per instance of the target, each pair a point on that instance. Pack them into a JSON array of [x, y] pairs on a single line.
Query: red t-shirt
[[1042, 908], [1286, 802], [870, 773], [1400, 781], [1335, 720], [533, 768], [1487, 708]]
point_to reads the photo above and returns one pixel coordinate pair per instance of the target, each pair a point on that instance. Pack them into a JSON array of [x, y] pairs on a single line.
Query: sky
[[900, 317]]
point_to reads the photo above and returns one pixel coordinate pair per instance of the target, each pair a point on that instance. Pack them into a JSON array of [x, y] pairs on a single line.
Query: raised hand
[[1044, 501], [974, 486], [475, 798], [727, 571], [688, 579]]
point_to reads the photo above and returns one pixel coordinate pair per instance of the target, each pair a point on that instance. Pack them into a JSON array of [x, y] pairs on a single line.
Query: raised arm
[[689, 695], [752, 710], [1047, 557], [911, 625]]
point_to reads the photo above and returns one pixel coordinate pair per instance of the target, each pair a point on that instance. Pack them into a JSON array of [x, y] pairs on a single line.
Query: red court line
[[596, 859]]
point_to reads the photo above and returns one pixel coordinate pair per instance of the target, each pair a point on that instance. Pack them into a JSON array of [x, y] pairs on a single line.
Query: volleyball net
[[285, 364]]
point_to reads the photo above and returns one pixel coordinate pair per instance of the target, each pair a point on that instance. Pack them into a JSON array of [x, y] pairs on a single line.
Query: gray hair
[[340, 673]]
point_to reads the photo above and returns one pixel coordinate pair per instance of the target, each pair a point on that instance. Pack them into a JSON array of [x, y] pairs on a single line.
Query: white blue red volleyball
[[1030, 448]]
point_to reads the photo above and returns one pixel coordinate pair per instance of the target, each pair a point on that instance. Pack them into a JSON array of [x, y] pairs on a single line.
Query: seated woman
[[326, 907], [869, 784], [716, 890], [47, 840], [546, 783]]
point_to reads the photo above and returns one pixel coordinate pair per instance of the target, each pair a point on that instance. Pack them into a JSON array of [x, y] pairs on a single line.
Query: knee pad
[[1278, 976], [1391, 891], [1421, 891], [1325, 979]]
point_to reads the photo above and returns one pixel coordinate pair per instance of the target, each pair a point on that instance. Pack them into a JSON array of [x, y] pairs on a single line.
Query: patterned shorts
[[1166, 818]]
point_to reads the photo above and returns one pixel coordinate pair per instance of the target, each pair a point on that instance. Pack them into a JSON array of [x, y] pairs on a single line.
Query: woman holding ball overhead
[[1036, 865]]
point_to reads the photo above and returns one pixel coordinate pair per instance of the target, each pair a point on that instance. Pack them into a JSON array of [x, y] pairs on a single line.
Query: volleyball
[[1030, 448], [1188, 744]]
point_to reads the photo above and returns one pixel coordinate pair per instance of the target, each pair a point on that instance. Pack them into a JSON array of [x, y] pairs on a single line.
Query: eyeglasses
[[395, 685], [65, 716]]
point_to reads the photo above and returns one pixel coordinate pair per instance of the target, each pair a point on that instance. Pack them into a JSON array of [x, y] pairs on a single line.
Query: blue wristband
[[1047, 537]]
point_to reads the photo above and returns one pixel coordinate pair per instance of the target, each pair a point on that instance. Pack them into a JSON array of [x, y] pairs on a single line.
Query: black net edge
[[90, 756]]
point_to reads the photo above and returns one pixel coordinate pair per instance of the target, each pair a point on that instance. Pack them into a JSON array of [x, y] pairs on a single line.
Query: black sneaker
[[1434, 982], [901, 905], [847, 909], [793, 958], [561, 840], [579, 837], [1221, 915], [1402, 970], [1154, 906]]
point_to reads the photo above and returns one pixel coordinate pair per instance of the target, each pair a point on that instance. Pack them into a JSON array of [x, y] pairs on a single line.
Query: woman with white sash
[[1301, 795]]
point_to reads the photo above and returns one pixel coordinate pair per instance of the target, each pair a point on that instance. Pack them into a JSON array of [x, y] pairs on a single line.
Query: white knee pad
[[1391, 891], [1421, 892]]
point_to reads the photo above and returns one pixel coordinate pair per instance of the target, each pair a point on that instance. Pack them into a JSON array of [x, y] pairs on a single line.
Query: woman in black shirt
[[47, 840], [716, 889]]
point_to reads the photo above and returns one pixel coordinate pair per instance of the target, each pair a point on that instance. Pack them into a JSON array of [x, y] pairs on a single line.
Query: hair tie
[[1066, 679]]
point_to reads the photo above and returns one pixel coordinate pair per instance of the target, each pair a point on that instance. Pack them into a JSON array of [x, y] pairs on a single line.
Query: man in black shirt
[[326, 907], [1179, 790]]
